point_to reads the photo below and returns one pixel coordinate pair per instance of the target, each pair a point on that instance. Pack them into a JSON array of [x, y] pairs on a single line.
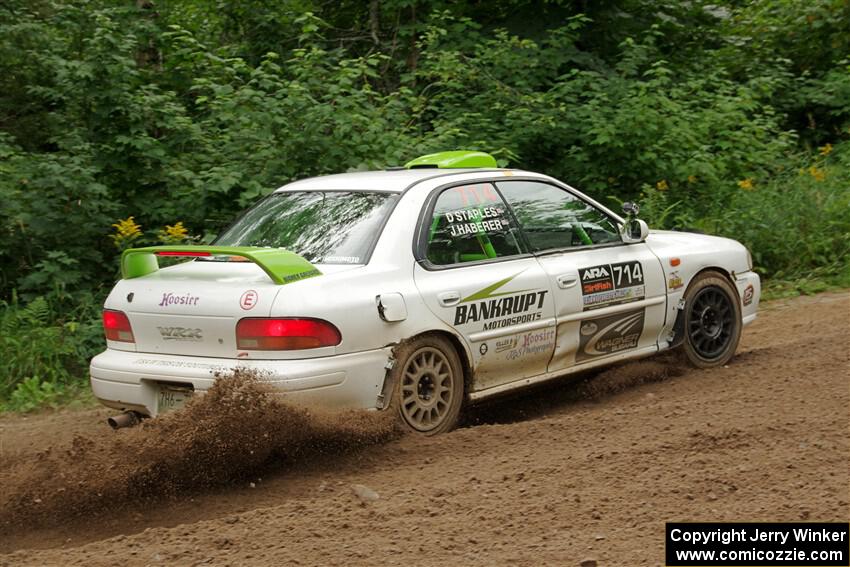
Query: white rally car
[[417, 289]]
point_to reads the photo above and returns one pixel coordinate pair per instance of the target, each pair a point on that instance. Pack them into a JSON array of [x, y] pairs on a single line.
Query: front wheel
[[712, 320], [428, 385]]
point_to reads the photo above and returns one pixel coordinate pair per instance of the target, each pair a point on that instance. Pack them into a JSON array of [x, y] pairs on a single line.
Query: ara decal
[[611, 284]]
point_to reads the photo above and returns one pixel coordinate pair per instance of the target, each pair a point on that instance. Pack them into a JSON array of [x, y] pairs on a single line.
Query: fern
[[34, 348]]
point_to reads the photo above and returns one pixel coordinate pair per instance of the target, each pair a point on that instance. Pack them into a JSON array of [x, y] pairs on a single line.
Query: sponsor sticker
[[610, 335], [248, 299], [749, 293], [302, 276], [483, 349], [611, 284], [180, 334], [533, 343], [172, 363], [342, 259], [588, 328], [498, 309], [674, 281], [169, 299], [506, 344]]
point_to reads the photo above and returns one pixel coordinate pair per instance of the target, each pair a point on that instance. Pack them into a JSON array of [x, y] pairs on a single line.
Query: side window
[[471, 223], [553, 218]]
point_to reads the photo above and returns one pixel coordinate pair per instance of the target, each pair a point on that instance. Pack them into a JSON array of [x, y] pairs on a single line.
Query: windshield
[[325, 227]]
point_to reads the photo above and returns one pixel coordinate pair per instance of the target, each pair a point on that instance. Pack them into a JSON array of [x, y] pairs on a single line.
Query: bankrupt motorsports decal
[[611, 284], [609, 335], [500, 309]]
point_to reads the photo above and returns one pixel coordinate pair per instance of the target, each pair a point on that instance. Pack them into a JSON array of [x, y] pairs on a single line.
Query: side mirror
[[631, 209], [634, 230]]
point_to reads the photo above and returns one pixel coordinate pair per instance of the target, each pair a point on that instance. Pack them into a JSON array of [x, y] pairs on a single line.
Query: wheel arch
[[729, 275], [679, 324], [463, 355]]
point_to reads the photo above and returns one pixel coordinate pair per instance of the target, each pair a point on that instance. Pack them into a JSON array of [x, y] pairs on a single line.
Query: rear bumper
[[130, 380], [749, 290]]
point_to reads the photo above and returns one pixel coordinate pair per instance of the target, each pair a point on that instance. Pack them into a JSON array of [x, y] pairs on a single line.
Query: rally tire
[[428, 385], [712, 328]]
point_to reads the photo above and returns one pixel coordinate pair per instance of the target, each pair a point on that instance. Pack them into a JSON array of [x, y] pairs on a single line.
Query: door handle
[[567, 281], [448, 298]]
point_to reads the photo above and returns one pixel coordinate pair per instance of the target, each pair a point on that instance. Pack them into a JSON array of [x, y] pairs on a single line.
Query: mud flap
[[383, 401], [679, 325]]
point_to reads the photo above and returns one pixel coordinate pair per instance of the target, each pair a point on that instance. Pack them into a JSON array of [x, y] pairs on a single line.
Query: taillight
[[116, 325], [285, 334]]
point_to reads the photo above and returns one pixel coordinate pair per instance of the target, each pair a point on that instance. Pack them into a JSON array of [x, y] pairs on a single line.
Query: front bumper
[[131, 380]]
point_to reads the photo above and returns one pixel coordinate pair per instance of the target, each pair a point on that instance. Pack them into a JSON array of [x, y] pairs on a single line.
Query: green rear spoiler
[[282, 266]]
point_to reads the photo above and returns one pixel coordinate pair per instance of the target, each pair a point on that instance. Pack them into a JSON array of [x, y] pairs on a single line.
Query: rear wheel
[[712, 320], [428, 391]]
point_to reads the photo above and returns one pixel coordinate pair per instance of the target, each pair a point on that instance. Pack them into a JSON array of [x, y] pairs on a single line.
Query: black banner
[[807, 544]]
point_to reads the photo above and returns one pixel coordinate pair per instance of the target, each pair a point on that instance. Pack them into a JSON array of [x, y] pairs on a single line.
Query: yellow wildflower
[[662, 185], [177, 230], [818, 174], [127, 228], [825, 150], [126, 231], [692, 178], [746, 184], [173, 233]]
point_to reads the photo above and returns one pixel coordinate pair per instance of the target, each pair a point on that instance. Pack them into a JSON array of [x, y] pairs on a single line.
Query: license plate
[[172, 398]]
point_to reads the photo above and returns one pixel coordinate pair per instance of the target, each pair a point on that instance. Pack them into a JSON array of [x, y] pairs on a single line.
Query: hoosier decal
[[500, 309], [609, 335], [174, 299], [611, 284], [535, 343]]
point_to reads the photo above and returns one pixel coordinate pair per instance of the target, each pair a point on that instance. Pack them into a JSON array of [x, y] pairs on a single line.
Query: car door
[[474, 272], [610, 298]]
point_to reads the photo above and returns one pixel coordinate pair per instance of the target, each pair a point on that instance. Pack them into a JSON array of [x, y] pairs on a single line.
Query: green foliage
[[32, 347], [176, 115], [38, 344], [32, 393], [796, 224]]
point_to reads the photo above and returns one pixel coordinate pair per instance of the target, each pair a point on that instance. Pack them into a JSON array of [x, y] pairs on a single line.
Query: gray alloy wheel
[[429, 385]]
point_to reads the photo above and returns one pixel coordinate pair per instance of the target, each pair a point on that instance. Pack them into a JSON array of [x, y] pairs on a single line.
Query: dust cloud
[[239, 428]]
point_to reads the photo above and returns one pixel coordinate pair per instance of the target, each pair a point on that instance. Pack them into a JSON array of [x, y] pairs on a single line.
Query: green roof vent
[[458, 159]]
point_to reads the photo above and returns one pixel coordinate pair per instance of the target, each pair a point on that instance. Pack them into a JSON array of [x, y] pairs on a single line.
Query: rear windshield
[[325, 227]]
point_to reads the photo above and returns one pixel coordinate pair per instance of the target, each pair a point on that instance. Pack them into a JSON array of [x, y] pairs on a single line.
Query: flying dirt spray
[[239, 428]]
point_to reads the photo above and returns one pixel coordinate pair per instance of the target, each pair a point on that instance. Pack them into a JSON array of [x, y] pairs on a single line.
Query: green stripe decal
[[490, 290], [282, 266]]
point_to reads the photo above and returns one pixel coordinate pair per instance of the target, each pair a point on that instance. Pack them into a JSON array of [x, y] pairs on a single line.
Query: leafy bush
[[795, 223], [32, 347], [40, 347]]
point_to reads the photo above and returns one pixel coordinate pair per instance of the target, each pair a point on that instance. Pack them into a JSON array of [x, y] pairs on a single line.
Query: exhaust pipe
[[126, 419]]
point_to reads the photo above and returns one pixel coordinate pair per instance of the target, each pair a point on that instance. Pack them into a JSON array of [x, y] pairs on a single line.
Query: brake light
[[183, 253], [116, 325], [285, 334]]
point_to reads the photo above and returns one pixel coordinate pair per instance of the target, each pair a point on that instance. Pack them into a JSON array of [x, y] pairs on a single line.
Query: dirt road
[[559, 475]]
